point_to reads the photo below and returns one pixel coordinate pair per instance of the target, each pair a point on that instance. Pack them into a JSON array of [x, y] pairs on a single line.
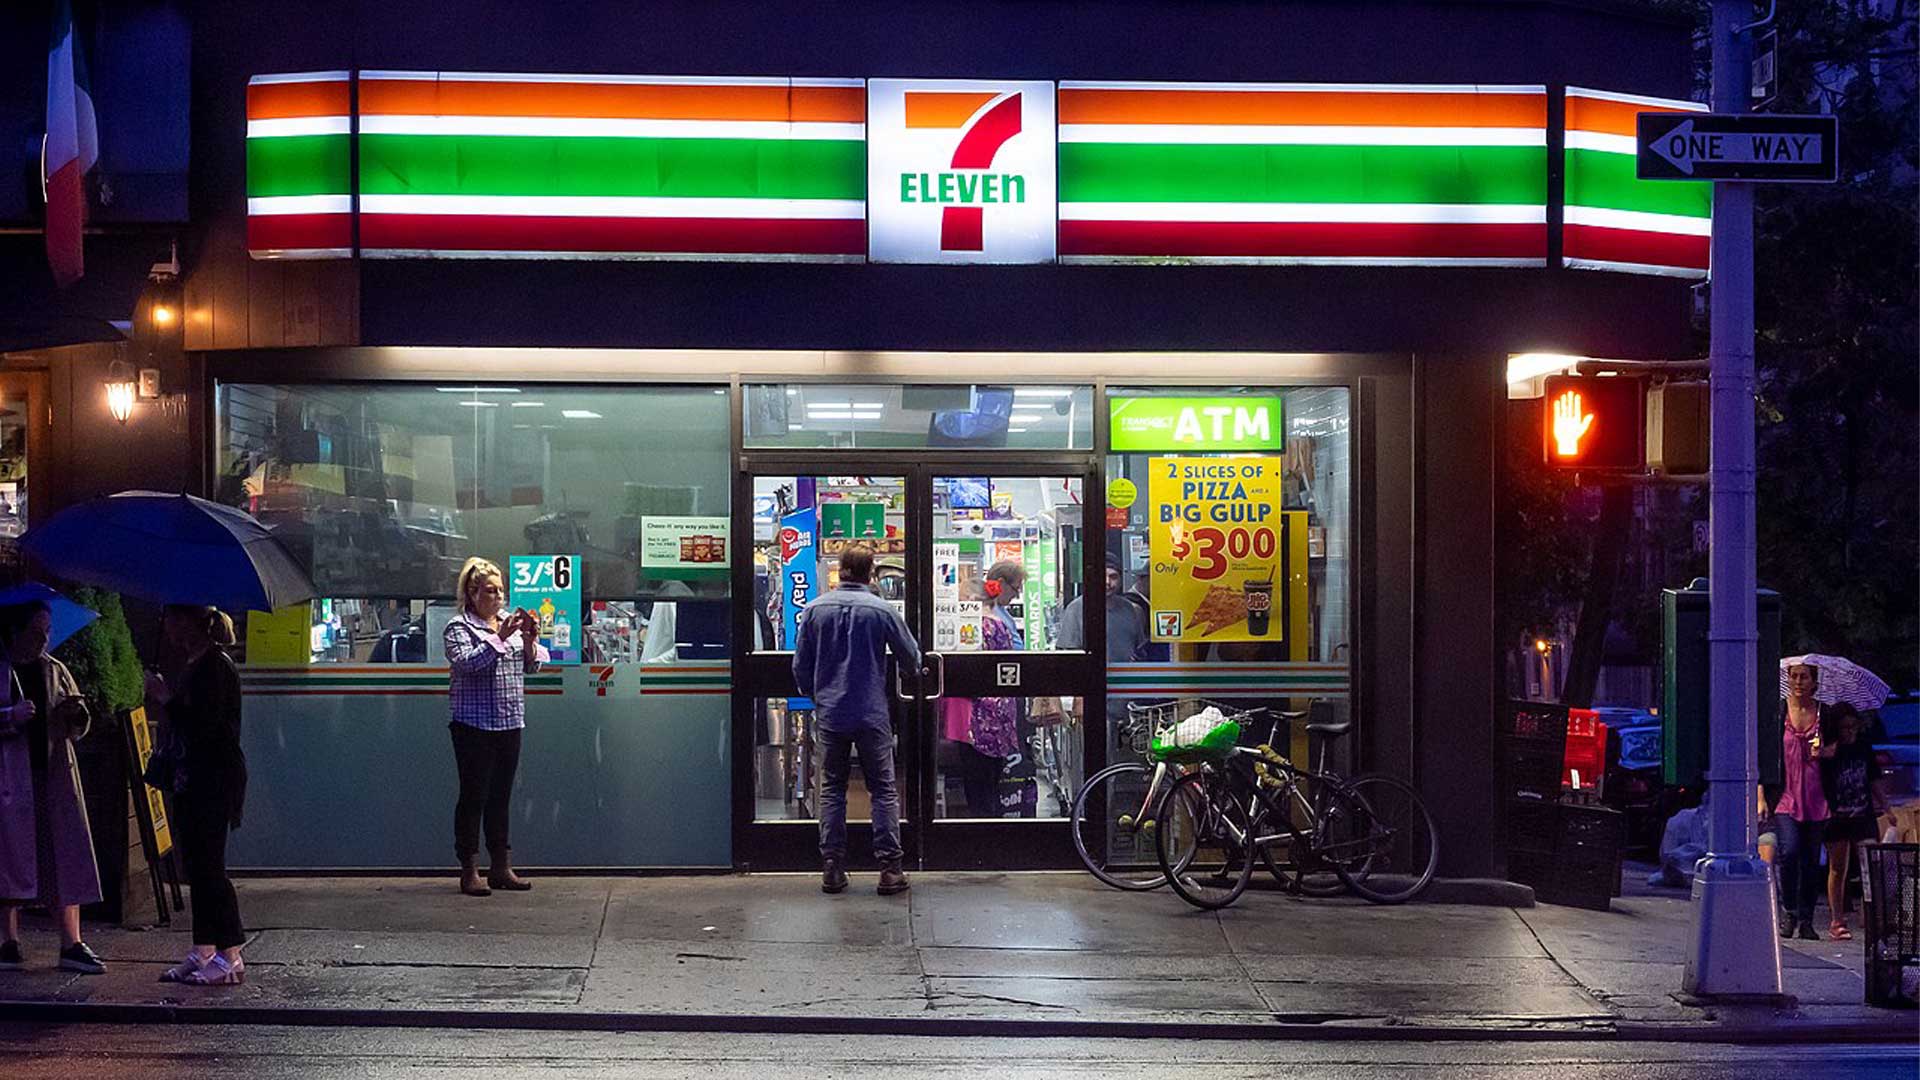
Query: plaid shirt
[[488, 676]]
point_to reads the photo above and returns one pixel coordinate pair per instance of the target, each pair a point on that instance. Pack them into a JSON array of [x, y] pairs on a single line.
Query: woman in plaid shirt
[[489, 655]]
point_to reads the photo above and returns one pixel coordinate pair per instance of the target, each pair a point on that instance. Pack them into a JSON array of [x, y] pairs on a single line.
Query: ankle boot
[[500, 874], [892, 878], [470, 880]]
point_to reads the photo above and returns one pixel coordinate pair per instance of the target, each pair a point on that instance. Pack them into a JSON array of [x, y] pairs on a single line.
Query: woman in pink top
[[1800, 815]]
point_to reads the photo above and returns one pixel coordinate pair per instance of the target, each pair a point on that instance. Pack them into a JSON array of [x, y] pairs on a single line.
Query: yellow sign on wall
[[1215, 541], [282, 638]]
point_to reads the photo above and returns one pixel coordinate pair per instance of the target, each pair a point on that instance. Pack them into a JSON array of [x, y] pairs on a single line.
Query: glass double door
[[987, 562]]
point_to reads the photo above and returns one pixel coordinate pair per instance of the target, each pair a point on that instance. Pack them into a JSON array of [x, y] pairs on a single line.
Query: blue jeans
[[875, 745], [1801, 877]]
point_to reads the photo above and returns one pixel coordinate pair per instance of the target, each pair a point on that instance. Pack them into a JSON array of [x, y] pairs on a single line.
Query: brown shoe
[[470, 880], [500, 874], [833, 877], [893, 879]]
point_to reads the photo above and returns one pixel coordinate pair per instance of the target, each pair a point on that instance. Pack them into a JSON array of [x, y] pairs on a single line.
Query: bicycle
[[1241, 802], [1113, 817]]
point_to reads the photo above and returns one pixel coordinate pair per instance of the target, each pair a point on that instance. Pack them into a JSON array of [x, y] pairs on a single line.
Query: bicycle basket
[[1205, 736]]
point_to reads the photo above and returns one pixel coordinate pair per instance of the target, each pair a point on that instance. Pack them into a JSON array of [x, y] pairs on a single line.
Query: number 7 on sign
[[1569, 424]]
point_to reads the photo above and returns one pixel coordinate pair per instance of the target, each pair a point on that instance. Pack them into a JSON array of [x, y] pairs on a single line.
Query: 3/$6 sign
[[961, 171]]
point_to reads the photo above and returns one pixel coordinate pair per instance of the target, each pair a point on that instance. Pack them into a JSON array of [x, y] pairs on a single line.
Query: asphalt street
[[160, 1052]]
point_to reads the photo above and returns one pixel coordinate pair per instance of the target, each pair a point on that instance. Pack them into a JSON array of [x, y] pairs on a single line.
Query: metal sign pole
[[1736, 950]]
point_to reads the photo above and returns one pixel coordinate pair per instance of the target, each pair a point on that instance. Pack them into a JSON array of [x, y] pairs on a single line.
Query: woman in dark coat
[[46, 850], [202, 707]]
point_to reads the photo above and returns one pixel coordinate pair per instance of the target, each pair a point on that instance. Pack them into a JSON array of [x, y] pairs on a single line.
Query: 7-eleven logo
[[960, 171]]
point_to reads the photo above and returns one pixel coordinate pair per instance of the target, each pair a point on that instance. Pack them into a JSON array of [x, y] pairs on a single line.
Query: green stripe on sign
[[549, 165], [1597, 178], [297, 165], [1143, 172]]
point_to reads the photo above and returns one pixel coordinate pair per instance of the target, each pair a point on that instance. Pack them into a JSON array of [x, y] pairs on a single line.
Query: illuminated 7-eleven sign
[[960, 171]]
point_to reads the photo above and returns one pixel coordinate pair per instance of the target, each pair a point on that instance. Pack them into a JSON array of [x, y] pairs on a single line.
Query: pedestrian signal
[[1595, 422]]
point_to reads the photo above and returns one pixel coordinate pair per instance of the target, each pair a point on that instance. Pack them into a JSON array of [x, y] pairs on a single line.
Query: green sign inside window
[[1197, 423]]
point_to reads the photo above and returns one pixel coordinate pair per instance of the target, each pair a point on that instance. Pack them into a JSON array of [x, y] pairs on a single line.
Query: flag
[[72, 147]]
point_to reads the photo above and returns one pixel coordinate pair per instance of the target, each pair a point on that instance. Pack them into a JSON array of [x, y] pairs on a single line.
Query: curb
[[1896, 1030]]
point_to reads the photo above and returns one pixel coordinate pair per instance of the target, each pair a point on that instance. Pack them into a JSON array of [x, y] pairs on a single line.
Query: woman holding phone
[[490, 651]]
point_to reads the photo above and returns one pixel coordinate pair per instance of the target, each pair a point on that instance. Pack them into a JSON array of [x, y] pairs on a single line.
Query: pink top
[[1804, 799]]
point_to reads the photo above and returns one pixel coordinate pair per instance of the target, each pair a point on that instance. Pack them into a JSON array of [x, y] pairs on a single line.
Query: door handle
[[939, 665]]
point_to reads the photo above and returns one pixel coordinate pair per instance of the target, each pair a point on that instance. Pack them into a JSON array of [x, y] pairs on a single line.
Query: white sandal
[[217, 972], [180, 971]]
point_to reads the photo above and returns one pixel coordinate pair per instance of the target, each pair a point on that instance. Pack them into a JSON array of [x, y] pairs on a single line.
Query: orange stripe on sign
[[1302, 107], [944, 109], [288, 100], [1607, 117], [613, 101]]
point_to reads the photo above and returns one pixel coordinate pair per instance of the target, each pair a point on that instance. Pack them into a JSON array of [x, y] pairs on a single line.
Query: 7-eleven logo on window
[[960, 171]]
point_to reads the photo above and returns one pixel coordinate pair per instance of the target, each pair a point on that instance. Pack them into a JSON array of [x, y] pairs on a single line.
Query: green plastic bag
[[1217, 743]]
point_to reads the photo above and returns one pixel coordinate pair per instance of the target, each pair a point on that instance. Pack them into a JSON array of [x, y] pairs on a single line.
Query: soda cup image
[[1259, 598]]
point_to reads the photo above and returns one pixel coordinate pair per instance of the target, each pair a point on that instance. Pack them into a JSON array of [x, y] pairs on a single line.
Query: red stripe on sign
[[478, 232], [1634, 246], [963, 228], [1269, 239], [286, 232]]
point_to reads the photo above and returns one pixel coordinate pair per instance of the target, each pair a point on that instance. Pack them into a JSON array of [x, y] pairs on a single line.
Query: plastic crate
[[1533, 825], [1597, 829], [1534, 767], [1890, 914], [1578, 880]]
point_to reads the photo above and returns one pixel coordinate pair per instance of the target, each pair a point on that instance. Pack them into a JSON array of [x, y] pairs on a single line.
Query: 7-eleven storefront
[[696, 334]]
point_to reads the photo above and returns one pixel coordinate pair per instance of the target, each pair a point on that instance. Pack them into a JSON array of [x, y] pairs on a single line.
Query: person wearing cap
[[1127, 638]]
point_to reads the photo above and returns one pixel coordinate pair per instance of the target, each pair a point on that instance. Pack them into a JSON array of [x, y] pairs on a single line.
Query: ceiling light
[[1016, 431], [1041, 391], [813, 406], [1025, 418], [477, 389], [528, 404], [580, 414], [869, 404], [479, 404]]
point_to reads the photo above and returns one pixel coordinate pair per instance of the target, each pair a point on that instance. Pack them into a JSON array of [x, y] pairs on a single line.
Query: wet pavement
[[962, 947]]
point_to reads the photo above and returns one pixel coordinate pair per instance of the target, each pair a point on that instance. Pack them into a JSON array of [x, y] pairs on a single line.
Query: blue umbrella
[[69, 618], [170, 549]]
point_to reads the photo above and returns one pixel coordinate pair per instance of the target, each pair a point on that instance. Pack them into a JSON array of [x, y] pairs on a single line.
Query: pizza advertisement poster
[[1215, 541]]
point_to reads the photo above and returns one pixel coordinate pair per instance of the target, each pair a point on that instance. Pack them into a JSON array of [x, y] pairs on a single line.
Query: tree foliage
[[102, 656]]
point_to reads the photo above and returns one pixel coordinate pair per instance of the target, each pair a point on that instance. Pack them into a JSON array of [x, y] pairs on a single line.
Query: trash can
[[1890, 908]]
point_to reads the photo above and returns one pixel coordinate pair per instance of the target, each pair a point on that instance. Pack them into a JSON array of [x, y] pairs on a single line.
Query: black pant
[[200, 825], [487, 761], [980, 780]]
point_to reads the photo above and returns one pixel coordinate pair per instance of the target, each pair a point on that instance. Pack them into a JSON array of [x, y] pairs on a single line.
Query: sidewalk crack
[[599, 932], [919, 958], [1241, 963]]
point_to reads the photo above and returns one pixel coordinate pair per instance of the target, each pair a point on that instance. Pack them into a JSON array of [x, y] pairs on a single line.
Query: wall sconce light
[[121, 389]]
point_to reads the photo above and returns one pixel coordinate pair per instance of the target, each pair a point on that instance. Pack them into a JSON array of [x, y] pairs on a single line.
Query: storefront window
[[13, 463], [382, 492], [953, 416], [1229, 535]]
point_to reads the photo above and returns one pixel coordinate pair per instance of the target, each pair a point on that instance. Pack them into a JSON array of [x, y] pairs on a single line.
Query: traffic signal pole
[[1736, 947]]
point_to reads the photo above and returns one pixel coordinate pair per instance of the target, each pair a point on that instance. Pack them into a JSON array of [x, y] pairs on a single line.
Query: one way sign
[[1721, 146]]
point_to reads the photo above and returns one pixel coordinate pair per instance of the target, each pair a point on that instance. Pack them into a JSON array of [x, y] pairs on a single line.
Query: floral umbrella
[[1840, 680]]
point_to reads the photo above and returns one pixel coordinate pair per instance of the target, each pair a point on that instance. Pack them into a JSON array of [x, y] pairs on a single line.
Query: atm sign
[[1216, 424]]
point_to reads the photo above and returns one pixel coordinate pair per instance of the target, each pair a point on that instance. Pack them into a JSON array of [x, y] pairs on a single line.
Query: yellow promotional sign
[[282, 638], [1215, 541], [156, 806]]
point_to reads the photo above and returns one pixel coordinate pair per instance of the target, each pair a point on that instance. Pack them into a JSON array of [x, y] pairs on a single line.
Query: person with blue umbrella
[[46, 848]]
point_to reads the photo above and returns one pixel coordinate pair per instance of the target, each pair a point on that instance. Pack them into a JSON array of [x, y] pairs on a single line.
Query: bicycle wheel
[[1205, 841], [1113, 825], [1303, 871], [1404, 846]]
